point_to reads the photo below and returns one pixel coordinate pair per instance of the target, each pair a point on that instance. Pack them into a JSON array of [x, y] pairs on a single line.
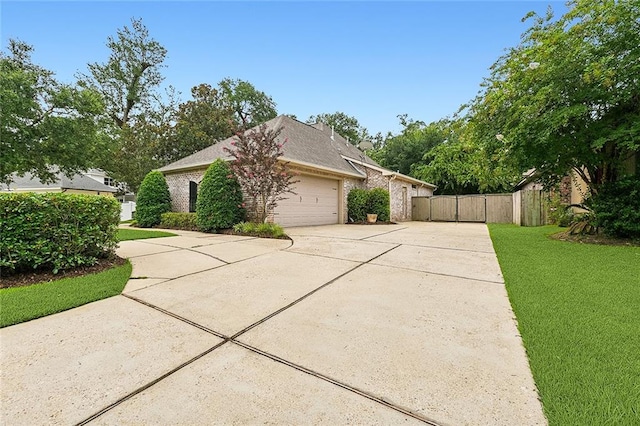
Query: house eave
[[204, 165], [394, 175], [321, 168]]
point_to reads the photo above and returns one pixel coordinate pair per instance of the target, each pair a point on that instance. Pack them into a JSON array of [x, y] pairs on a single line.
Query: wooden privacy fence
[[523, 208]]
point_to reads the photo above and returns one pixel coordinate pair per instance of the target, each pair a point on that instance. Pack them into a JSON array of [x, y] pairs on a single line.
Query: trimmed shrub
[[153, 200], [617, 208], [357, 205], [184, 221], [378, 203], [263, 230], [361, 202], [219, 204], [56, 231]]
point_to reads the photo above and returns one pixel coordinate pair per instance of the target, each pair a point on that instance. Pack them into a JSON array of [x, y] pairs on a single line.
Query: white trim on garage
[[316, 202]]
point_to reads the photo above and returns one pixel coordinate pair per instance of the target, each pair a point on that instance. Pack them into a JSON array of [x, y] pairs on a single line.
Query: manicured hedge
[[153, 200], [56, 231], [361, 202], [184, 221], [378, 202], [219, 204], [357, 204]]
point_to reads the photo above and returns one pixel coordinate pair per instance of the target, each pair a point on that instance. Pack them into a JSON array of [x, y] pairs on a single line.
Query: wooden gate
[[496, 208], [472, 208]]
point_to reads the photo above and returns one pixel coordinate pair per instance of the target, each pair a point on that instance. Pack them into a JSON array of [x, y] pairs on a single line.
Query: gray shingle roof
[[306, 144], [79, 182]]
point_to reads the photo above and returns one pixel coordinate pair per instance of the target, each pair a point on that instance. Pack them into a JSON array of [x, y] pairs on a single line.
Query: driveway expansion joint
[[383, 233], [298, 367], [148, 385]]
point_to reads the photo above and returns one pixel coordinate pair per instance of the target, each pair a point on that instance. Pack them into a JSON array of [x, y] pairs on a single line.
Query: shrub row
[[184, 221], [56, 231], [361, 202]]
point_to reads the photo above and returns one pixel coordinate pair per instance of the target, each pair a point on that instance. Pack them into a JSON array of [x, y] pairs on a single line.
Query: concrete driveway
[[379, 324]]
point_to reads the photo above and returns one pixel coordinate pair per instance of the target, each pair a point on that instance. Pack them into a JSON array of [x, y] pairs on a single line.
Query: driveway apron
[[345, 324]]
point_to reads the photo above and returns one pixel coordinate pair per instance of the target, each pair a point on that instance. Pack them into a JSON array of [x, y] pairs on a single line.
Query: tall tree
[[129, 82], [215, 114], [462, 165], [131, 76], [568, 96], [406, 150], [45, 126], [249, 105], [345, 125]]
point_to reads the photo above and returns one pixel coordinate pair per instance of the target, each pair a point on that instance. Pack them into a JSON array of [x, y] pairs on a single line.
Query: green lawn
[[21, 304], [140, 234], [578, 309]]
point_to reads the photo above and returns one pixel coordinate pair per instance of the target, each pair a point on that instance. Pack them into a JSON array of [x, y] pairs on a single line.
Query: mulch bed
[[34, 277], [595, 239]]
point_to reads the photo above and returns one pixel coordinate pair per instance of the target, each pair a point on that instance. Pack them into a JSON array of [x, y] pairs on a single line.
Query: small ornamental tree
[[263, 178], [219, 204], [153, 200]]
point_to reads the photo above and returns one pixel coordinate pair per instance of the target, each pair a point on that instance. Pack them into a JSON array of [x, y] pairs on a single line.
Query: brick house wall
[[400, 207], [179, 188]]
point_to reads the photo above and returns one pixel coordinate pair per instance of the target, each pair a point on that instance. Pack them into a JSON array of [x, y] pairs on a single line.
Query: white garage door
[[315, 203]]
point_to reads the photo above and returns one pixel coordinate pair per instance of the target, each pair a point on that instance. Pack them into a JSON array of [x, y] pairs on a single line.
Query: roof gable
[[306, 144]]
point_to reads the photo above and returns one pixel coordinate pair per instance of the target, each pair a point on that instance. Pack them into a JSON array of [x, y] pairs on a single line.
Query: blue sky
[[372, 60]]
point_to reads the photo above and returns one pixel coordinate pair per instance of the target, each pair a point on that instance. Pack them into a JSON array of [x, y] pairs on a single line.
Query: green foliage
[[378, 202], [405, 151], [346, 126], [559, 98], [361, 202], [219, 204], [138, 234], [138, 117], [153, 200], [215, 114], [357, 204], [56, 231], [44, 123], [262, 230], [617, 208], [184, 221], [129, 78], [577, 311], [249, 106], [559, 213], [20, 304]]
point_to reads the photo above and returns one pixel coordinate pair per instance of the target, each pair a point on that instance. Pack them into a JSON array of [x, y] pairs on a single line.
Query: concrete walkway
[[380, 324]]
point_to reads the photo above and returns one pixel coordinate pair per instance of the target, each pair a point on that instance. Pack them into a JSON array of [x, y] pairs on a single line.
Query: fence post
[[457, 213]]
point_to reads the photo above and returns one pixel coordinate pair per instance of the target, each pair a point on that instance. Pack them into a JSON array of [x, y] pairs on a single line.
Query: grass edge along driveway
[[577, 310], [20, 304]]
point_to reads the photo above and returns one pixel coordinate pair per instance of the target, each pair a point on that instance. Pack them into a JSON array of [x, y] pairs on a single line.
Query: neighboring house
[[101, 176], [328, 167], [78, 184]]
